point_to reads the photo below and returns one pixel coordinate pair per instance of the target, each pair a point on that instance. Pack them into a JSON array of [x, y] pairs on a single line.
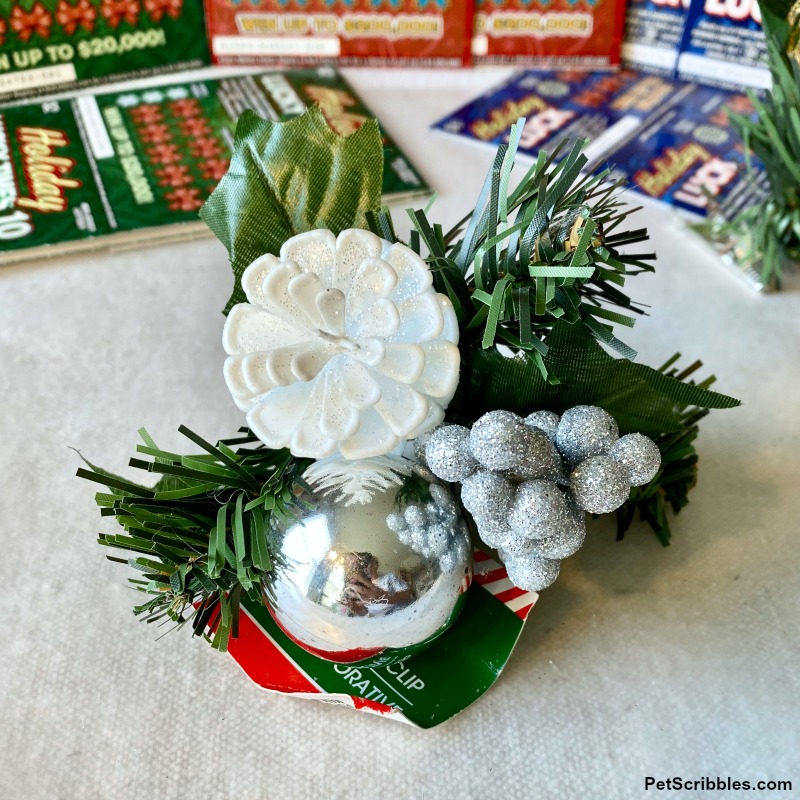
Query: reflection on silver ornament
[[376, 581]]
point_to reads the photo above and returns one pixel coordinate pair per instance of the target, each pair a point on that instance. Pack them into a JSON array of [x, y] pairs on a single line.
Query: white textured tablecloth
[[640, 661]]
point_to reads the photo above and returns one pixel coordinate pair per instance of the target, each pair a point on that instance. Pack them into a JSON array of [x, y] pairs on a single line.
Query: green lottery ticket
[[136, 166], [47, 45]]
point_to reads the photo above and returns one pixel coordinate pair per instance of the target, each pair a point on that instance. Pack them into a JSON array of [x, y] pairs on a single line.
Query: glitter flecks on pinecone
[[527, 482]]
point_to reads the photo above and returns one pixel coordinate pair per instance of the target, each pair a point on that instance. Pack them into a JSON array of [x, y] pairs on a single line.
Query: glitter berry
[[510, 469]]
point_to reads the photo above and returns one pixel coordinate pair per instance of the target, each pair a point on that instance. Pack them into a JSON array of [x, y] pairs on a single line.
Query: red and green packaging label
[[424, 689], [414, 32], [148, 158], [51, 44], [586, 33]]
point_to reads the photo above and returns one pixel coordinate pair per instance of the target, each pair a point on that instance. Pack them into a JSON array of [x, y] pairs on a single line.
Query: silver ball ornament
[[415, 517], [639, 455], [449, 559], [347, 588], [447, 453], [512, 545], [444, 501], [417, 540], [438, 539], [497, 440], [599, 484], [531, 573], [546, 421], [564, 542], [585, 431], [420, 443], [396, 522], [539, 508], [557, 544], [488, 497], [538, 457]]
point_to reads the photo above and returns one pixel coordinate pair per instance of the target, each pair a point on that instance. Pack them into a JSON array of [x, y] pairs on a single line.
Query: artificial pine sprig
[[770, 229], [671, 485], [202, 535], [526, 258]]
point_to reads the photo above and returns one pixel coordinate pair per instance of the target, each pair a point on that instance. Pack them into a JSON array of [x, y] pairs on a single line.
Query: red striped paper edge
[[267, 664], [493, 577]]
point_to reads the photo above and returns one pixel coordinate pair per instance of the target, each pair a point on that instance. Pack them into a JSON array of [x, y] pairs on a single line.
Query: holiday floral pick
[[367, 365]]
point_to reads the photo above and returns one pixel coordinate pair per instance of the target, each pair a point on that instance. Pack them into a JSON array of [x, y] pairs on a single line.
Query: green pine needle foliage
[[670, 487], [525, 258], [770, 230], [201, 538]]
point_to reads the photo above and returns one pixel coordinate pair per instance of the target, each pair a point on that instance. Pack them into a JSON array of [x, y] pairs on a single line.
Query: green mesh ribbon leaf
[[639, 397], [289, 177]]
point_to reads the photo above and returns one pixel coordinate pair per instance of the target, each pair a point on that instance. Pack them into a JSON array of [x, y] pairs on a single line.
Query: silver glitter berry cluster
[[430, 529], [512, 471]]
